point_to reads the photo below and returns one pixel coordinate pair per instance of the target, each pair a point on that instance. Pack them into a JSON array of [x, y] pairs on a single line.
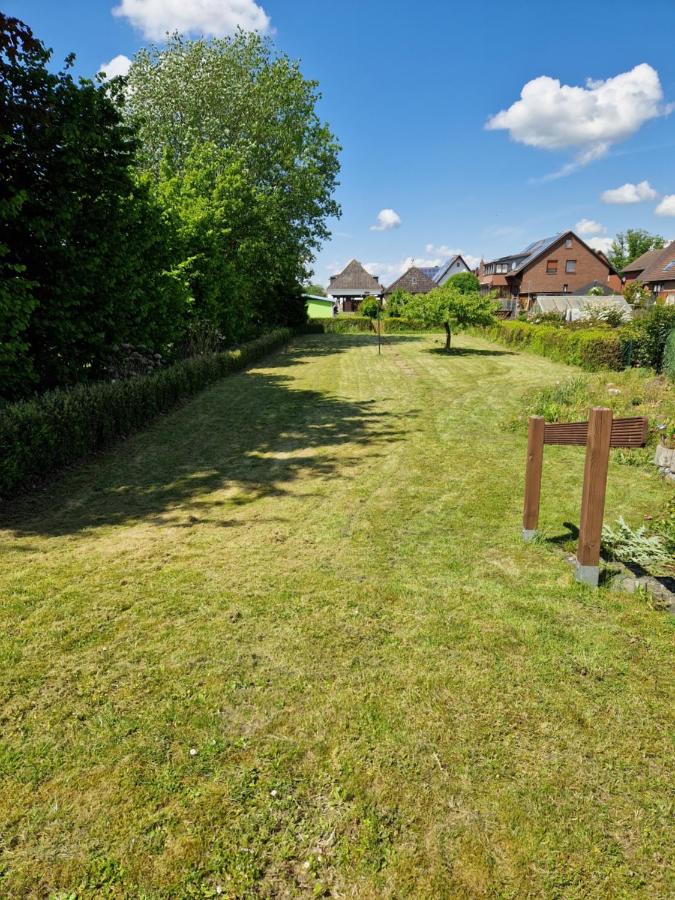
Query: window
[[513, 265], [571, 266], [657, 288], [413, 280], [568, 244], [565, 288], [551, 266]]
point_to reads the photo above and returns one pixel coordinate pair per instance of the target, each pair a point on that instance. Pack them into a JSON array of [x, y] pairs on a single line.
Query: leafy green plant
[[370, 307], [654, 330], [41, 436], [669, 356], [453, 309], [629, 545]]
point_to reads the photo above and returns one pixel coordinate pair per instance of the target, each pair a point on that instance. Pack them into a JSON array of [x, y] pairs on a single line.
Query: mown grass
[[288, 642]]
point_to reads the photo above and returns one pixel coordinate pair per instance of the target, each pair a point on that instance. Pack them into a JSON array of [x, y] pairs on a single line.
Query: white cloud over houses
[[554, 116], [153, 18], [630, 193], [588, 227], [118, 65], [667, 206], [600, 243], [386, 220]]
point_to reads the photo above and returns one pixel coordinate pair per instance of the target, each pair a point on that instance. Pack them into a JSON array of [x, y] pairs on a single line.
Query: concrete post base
[[588, 574]]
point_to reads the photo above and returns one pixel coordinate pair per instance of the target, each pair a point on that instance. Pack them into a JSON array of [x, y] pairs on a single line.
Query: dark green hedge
[[342, 325], [401, 326], [38, 437], [589, 348], [669, 356]]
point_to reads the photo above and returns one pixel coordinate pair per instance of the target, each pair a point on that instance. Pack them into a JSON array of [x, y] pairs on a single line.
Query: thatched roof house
[[414, 281]]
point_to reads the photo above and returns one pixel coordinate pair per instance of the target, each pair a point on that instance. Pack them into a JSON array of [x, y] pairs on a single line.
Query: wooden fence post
[[535, 458], [593, 497]]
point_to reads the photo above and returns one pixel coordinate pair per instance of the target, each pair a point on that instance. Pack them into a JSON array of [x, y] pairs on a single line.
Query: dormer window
[[568, 244]]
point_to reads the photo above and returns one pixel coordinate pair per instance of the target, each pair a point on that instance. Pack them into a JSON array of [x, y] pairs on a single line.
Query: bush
[[39, 437], [655, 329], [669, 356], [370, 308], [344, 325], [590, 348]]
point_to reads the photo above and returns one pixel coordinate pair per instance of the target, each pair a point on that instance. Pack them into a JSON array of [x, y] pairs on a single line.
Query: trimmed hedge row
[[41, 436], [341, 325], [589, 348], [401, 326]]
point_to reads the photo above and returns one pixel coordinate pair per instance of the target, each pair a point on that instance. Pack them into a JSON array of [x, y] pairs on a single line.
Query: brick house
[[560, 264], [414, 281], [350, 286], [656, 270]]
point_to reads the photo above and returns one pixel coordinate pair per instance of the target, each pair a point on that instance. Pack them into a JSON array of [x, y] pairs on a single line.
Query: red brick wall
[[536, 280]]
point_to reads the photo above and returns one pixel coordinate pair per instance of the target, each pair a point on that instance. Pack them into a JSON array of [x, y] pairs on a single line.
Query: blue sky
[[408, 89]]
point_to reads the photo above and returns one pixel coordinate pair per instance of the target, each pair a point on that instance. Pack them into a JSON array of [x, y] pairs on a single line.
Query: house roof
[[354, 277], [414, 281], [536, 249], [429, 270], [662, 267], [643, 261], [442, 271]]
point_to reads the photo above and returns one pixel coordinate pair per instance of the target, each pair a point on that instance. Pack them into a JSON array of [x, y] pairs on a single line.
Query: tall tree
[[630, 244], [257, 115], [89, 246]]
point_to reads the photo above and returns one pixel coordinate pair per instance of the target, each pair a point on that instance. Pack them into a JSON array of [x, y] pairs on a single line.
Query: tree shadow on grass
[[466, 351], [247, 437]]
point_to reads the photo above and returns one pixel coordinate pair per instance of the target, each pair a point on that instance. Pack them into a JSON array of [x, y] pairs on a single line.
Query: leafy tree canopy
[[370, 307], [395, 303], [450, 307], [465, 282], [630, 244], [317, 290], [635, 293]]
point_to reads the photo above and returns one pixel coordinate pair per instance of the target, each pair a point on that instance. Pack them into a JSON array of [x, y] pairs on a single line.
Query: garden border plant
[[38, 437]]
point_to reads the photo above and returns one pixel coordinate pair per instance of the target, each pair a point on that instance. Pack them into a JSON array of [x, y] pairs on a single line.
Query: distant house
[[414, 281], [318, 307], [453, 266], [350, 286], [656, 270], [562, 264]]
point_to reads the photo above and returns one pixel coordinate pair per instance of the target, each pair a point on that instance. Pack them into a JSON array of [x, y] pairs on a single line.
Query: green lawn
[[288, 642]]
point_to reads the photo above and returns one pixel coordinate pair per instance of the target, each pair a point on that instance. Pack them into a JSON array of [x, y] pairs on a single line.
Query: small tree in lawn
[[454, 310], [370, 307], [635, 293]]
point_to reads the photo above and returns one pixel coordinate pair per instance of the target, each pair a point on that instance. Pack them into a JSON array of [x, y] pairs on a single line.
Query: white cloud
[[589, 226], [555, 116], [118, 65], [210, 17], [443, 254], [386, 220], [630, 193], [667, 206], [600, 243]]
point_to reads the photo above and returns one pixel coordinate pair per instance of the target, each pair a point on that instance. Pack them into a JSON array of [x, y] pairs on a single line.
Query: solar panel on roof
[[670, 265]]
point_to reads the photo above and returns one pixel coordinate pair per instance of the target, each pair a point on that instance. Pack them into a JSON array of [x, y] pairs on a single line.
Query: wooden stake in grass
[[535, 458], [593, 496]]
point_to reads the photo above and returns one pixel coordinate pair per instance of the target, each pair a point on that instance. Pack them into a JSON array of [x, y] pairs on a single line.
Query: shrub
[[38, 437], [630, 545], [370, 307], [654, 330], [345, 325], [669, 356], [590, 348]]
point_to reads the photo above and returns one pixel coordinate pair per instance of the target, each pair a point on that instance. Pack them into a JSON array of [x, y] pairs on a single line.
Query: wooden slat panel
[[628, 433]]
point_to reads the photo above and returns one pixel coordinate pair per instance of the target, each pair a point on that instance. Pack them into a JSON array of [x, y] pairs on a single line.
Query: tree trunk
[[448, 337]]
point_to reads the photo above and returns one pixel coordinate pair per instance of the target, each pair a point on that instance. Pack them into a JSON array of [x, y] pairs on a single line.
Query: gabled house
[[562, 264], [414, 281], [350, 286], [453, 266], [656, 270]]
